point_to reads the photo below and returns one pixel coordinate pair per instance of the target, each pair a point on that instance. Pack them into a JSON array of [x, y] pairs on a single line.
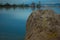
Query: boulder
[[43, 25]]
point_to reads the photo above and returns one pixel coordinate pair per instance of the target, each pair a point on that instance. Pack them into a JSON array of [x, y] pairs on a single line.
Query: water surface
[[13, 22]]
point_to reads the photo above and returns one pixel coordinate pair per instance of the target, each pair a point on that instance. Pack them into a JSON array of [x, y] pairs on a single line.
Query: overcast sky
[[28, 1]]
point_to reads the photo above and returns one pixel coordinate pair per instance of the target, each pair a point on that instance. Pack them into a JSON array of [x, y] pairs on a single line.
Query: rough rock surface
[[43, 25]]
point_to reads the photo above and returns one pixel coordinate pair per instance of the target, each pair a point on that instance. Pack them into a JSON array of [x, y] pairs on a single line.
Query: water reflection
[[13, 21]]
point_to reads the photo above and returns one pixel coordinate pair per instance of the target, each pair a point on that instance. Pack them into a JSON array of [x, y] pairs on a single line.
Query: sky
[[28, 1]]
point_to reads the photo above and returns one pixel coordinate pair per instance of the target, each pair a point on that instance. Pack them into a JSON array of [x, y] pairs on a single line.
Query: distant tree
[[14, 4], [7, 4], [33, 4], [39, 5], [22, 5], [1, 4], [26, 5]]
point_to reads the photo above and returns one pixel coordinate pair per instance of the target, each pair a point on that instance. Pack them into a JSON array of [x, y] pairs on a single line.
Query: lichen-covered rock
[[43, 25]]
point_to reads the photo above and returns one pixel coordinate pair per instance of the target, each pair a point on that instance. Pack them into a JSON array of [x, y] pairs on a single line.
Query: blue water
[[13, 22]]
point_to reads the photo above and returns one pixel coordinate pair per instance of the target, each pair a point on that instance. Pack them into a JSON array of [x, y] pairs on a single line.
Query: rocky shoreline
[[43, 25]]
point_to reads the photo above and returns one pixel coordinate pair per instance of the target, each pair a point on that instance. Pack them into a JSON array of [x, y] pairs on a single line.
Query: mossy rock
[[43, 25]]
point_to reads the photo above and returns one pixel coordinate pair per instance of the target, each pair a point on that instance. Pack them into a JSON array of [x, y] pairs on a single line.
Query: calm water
[[13, 22]]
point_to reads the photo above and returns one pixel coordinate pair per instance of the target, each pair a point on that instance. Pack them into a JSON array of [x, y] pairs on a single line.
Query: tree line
[[22, 5]]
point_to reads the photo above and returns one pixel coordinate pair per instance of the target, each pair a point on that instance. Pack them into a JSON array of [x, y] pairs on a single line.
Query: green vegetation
[[7, 5], [32, 5]]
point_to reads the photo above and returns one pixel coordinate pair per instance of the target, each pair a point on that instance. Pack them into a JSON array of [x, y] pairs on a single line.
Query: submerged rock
[[43, 25]]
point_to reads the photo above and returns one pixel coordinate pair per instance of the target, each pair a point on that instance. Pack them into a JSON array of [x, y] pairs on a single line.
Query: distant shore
[[33, 5]]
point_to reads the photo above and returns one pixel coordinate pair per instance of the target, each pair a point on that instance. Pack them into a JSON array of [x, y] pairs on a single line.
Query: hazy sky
[[28, 1]]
